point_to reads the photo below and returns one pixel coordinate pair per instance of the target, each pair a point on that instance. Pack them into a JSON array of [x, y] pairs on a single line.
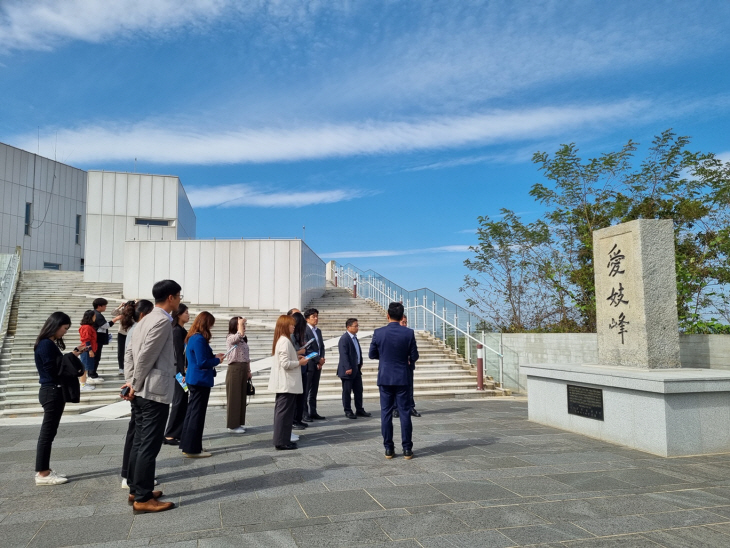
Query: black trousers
[[149, 425], [51, 398], [300, 407], [390, 398], [283, 415], [411, 401], [177, 412], [313, 376], [97, 354], [191, 439], [348, 386], [121, 344], [128, 441]]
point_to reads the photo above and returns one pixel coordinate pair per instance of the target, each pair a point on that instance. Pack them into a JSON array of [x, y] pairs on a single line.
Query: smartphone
[[310, 341], [312, 355], [125, 391], [231, 349]]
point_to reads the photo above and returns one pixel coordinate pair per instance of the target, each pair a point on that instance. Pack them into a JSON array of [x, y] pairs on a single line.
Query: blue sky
[[385, 127]]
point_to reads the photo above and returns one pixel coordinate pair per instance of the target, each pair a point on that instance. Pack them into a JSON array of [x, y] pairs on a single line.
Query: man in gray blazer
[[149, 364]]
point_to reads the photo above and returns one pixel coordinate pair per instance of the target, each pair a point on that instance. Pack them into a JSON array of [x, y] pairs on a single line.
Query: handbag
[[250, 389]]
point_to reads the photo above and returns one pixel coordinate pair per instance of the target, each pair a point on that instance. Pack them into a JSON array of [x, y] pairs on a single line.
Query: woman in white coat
[[285, 381]]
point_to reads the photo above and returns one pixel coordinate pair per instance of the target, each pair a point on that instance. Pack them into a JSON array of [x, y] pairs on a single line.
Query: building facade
[[42, 210]]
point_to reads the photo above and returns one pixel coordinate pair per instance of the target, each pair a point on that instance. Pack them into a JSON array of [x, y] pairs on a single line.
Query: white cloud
[[395, 252], [243, 195], [166, 144]]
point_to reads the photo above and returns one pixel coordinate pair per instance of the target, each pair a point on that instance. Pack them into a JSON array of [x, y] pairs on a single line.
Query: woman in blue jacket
[[199, 378]]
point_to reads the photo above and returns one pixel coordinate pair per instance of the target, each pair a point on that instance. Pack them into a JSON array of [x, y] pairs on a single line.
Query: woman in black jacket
[[180, 317], [48, 358]]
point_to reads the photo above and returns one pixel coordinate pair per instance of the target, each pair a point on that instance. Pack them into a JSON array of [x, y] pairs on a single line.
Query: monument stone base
[[667, 412]]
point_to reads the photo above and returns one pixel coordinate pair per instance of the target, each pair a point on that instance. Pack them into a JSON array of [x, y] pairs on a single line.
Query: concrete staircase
[[440, 373]]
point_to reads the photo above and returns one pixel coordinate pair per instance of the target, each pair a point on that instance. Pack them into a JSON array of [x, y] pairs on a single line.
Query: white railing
[[8, 279], [426, 311]]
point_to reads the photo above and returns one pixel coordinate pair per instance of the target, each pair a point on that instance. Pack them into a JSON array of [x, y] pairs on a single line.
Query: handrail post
[[480, 367], [501, 361], [467, 345], [354, 286]]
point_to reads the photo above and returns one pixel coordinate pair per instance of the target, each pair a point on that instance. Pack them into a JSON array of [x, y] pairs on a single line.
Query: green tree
[[671, 182]]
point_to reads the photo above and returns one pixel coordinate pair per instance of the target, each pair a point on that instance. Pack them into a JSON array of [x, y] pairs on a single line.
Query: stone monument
[[638, 395]]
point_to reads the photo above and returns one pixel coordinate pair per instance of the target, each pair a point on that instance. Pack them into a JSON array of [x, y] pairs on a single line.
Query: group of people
[[169, 372]]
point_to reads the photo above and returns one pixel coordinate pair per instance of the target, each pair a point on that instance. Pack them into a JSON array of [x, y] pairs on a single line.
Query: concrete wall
[[313, 276], [58, 195], [115, 201], [696, 351], [263, 274]]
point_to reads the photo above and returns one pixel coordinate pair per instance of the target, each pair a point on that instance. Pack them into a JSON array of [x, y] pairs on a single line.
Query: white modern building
[[136, 229], [42, 210]]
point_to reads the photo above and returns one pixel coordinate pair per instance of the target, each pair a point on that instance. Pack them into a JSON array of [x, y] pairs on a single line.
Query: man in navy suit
[[395, 347], [314, 366], [349, 369]]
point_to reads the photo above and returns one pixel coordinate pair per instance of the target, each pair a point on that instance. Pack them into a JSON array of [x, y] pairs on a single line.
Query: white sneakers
[[239, 430], [201, 455], [97, 380], [87, 387], [294, 438], [51, 479]]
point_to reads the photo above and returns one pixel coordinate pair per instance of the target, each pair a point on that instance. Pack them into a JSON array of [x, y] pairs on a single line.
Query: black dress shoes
[[171, 441], [307, 419], [407, 454], [298, 426], [287, 447], [389, 453], [364, 413], [396, 414], [317, 417], [351, 415], [415, 413]]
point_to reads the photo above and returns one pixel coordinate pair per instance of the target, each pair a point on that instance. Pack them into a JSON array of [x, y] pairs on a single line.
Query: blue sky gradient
[[386, 127]]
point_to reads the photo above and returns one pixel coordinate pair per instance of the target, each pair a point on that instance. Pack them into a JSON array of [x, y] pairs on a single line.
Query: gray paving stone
[[624, 541], [475, 539], [686, 518], [539, 534], [350, 533], [693, 498], [590, 481], [694, 537], [631, 505], [422, 525], [178, 520], [338, 502], [642, 477], [71, 512], [265, 539], [82, 531], [407, 495], [619, 525], [472, 490], [497, 517], [537, 485], [260, 511], [18, 534], [286, 524], [567, 510]]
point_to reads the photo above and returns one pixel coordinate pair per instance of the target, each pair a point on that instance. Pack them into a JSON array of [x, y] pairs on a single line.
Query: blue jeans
[[390, 397], [89, 363]]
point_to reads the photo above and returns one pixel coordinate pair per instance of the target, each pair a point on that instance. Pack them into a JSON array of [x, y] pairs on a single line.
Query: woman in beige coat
[[285, 381]]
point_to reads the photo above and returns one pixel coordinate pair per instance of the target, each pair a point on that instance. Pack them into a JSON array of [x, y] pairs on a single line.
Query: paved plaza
[[482, 476]]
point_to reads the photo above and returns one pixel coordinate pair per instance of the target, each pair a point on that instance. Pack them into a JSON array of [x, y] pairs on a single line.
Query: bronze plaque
[[586, 402]]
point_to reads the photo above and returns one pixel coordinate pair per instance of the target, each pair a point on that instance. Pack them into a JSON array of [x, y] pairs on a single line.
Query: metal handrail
[[7, 283], [465, 333]]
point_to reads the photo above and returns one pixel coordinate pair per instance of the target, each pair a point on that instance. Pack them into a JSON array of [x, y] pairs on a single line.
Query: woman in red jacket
[[87, 331]]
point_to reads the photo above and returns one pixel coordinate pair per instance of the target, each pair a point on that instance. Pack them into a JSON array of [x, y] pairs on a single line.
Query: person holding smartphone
[[47, 352], [237, 376], [299, 340]]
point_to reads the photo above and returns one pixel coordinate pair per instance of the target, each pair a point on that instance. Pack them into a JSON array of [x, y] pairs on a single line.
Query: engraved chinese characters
[[636, 294], [617, 296]]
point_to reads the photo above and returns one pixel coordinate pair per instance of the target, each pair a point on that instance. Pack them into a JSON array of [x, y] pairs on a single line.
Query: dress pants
[[300, 409], [411, 401], [191, 439], [128, 441], [352, 385], [236, 380], [97, 354], [391, 396], [149, 425], [121, 345], [177, 412], [313, 375], [51, 398], [283, 417]]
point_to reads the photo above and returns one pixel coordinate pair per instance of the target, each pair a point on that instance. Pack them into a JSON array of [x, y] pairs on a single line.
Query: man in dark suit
[[349, 369], [411, 370], [395, 347], [314, 367]]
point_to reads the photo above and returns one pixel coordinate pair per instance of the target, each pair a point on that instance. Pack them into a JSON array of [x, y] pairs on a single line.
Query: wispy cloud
[[155, 143], [245, 195], [396, 252]]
